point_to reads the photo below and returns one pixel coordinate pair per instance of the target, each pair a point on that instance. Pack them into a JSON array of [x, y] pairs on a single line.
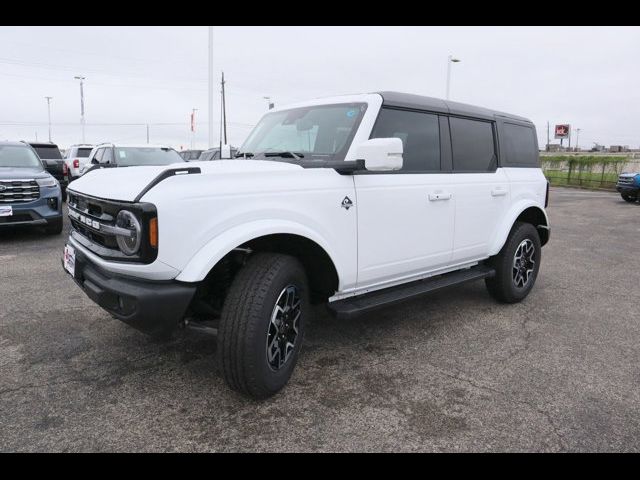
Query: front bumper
[[36, 213], [630, 190], [153, 307]]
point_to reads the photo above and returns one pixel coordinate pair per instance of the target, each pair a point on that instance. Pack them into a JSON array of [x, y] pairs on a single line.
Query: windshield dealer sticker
[[6, 211], [122, 154]]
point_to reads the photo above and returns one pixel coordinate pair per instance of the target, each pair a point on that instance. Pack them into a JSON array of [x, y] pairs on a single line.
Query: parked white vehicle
[[76, 157], [360, 201], [110, 155]]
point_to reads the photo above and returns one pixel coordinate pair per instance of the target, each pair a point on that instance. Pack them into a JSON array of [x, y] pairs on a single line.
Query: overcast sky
[[585, 76]]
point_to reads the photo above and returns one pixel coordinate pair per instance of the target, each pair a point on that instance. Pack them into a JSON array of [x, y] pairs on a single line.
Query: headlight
[[129, 245], [47, 182]]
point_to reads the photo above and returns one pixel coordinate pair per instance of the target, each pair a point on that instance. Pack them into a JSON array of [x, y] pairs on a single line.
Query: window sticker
[[122, 153], [351, 113]]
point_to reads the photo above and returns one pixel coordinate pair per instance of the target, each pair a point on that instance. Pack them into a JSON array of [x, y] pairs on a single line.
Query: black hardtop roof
[[408, 100], [43, 144]]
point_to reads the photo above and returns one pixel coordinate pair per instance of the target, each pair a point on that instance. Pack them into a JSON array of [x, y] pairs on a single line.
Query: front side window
[[420, 135], [108, 156], [16, 156], [98, 156], [132, 156], [317, 132], [472, 145]]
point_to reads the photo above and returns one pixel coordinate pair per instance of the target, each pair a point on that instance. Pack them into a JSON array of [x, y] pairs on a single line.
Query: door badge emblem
[[347, 203]]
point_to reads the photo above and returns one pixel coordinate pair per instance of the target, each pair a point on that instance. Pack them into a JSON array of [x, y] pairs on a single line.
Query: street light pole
[[210, 87], [577, 138], [193, 126], [450, 60], [81, 78], [49, 115]]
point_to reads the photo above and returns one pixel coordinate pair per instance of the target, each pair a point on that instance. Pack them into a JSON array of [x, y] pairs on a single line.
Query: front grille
[[19, 191], [626, 180], [90, 217]]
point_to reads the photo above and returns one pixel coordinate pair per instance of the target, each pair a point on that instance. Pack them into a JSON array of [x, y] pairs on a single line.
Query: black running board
[[354, 306]]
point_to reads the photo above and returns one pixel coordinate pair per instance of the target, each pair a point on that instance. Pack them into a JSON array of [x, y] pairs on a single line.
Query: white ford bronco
[[359, 201]]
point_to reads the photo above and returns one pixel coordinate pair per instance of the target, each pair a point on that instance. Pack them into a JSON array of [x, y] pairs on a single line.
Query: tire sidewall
[[521, 233], [292, 274]]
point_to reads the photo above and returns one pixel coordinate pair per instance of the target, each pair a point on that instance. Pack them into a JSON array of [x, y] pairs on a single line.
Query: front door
[[405, 218]]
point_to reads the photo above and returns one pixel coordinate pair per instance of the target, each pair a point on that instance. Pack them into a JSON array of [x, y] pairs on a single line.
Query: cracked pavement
[[453, 371]]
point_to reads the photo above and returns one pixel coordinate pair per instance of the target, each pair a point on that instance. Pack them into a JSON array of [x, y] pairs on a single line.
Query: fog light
[[53, 203]]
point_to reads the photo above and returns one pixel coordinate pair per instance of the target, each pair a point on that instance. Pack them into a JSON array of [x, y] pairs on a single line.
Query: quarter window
[[520, 145], [420, 135], [472, 145]]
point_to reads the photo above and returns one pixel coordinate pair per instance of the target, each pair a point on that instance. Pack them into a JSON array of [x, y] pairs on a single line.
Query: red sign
[[562, 131]]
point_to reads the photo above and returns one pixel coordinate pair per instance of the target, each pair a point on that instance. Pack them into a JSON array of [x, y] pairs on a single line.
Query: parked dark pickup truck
[[53, 162]]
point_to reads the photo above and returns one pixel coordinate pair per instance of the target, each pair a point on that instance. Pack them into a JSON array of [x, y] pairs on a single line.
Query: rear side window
[[472, 145], [420, 135], [83, 152], [520, 145]]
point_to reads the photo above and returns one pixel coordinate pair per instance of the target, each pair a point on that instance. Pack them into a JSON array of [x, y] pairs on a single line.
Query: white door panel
[[405, 225], [481, 200]]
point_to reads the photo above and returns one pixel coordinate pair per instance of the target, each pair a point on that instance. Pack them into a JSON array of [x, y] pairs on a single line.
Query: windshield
[[317, 132], [132, 156], [17, 156], [48, 152]]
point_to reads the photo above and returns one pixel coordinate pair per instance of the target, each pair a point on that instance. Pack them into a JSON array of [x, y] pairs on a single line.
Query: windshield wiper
[[243, 154], [296, 155]]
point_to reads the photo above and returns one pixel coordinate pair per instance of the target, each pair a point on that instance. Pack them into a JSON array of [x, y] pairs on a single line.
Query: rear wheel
[[516, 265], [628, 198], [262, 324]]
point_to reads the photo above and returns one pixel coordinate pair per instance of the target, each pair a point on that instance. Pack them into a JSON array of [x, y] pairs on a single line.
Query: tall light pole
[[81, 78], [49, 115], [210, 87], [193, 126], [269, 104], [577, 138], [450, 60]]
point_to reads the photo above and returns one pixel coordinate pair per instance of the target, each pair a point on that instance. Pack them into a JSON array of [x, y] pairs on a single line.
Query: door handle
[[433, 197], [498, 192]]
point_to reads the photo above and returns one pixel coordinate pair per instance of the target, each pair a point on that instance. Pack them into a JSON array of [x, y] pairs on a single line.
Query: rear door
[[405, 218], [480, 188]]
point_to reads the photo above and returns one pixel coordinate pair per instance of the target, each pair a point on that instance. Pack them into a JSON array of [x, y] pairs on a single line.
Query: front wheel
[[262, 324], [627, 198], [516, 265]]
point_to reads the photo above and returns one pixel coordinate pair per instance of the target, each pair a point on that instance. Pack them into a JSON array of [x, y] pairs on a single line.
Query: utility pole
[[450, 60], [224, 111], [210, 87], [147, 133], [49, 115], [193, 126], [81, 78], [577, 138], [547, 149]]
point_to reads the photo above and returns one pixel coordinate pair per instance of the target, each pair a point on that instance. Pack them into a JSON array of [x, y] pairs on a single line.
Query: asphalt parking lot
[[454, 371]]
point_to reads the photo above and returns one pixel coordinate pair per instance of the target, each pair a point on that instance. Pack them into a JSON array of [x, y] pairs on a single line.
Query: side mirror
[[225, 153], [94, 161], [381, 154]]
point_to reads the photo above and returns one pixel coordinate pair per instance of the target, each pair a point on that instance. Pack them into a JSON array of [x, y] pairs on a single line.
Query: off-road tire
[[246, 321], [629, 199], [503, 285]]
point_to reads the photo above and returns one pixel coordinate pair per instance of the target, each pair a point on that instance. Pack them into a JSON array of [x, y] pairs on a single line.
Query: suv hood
[[126, 183], [19, 173]]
